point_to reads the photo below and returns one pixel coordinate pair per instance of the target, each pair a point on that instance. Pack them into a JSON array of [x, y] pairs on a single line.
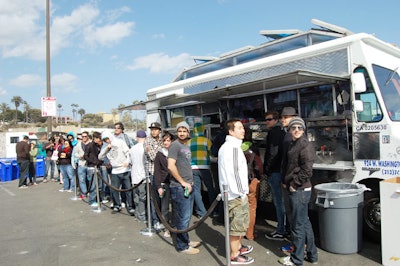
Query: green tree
[[59, 107], [74, 110], [4, 107], [17, 100], [81, 112]]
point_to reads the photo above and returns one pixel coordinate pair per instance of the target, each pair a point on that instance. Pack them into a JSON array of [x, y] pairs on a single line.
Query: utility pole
[[48, 85]]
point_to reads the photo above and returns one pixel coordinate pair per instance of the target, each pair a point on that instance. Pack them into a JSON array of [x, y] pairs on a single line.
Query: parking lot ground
[[41, 226]]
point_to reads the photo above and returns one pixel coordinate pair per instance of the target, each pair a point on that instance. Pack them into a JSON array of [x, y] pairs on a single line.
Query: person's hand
[[160, 191], [187, 185], [291, 189]]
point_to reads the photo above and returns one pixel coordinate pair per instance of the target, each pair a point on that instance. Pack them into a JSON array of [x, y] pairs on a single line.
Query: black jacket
[[91, 155], [273, 150], [298, 163]]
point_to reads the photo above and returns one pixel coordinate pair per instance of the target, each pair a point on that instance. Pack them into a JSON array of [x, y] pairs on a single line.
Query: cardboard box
[[390, 221]]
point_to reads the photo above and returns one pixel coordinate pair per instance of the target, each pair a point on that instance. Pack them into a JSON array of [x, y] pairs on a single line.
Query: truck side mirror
[[358, 82], [358, 106]]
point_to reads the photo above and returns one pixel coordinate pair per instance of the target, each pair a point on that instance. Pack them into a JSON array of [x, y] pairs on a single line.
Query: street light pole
[[48, 85]]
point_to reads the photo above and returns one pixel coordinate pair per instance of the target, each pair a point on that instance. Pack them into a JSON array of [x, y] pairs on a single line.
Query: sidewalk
[[41, 226]]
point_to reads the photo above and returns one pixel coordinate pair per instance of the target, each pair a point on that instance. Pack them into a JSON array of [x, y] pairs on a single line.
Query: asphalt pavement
[[41, 226]]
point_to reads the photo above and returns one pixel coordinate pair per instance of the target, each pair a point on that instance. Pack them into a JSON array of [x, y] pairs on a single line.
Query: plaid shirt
[[151, 147], [200, 149]]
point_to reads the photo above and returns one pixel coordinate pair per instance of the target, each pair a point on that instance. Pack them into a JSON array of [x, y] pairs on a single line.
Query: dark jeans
[[118, 181], [301, 227], [183, 206], [23, 171]]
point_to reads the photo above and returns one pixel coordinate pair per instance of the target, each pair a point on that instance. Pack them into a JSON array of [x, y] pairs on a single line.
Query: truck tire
[[372, 216]]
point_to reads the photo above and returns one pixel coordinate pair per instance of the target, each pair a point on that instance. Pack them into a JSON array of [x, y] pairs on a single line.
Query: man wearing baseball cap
[[152, 145]]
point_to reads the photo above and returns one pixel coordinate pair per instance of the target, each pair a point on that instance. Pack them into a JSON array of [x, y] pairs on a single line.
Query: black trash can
[[340, 216]]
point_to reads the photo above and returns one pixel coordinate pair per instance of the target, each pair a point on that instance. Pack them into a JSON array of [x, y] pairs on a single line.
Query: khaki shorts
[[238, 216]]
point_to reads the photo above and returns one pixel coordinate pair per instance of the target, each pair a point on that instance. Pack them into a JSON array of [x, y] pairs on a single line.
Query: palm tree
[[26, 108], [4, 108], [81, 112], [17, 100], [59, 107], [74, 110]]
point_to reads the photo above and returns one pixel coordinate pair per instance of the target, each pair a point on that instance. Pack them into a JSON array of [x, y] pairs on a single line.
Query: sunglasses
[[300, 128], [269, 119]]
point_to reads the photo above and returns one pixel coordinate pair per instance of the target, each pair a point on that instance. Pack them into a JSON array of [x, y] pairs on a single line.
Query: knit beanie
[[297, 121]]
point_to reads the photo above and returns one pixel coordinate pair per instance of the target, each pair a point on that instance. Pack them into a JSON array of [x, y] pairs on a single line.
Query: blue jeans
[[50, 164], [68, 176], [275, 182], [82, 174], [183, 207], [118, 181], [92, 184], [198, 199], [301, 228]]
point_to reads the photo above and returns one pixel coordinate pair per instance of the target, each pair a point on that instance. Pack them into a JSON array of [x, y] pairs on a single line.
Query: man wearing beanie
[[181, 186], [297, 171]]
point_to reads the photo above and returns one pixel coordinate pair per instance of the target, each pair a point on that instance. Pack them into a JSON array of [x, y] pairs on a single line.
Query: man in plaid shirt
[[152, 145]]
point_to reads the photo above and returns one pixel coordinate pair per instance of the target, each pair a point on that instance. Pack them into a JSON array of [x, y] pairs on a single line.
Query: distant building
[[62, 119], [109, 117]]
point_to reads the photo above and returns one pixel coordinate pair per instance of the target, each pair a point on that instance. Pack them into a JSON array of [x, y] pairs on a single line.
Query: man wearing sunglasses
[[272, 169], [297, 171]]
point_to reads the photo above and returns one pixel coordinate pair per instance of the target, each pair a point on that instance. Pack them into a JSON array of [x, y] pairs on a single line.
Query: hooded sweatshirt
[[118, 154]]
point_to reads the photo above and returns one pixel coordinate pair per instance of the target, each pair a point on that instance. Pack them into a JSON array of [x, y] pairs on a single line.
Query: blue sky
[[110, 52]]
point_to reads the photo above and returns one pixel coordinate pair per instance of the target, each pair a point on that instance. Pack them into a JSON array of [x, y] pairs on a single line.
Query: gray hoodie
[[117, 153]]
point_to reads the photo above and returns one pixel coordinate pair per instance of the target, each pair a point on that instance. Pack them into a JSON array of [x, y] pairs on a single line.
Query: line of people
[[177, 168]]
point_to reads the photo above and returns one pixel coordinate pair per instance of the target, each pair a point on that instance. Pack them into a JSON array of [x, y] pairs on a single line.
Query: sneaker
[[44, 180], [105, 201], [123, 205], [275, 236], [245, 250], [23, 186], [288, 248], [131, 211], [62, 190], [159, 226], [190, 251], [116, 209], [194, 244], [306, 258], [70, 190], [241, 260], [286, 261], [168, 234], [81, 196], [94, 204]]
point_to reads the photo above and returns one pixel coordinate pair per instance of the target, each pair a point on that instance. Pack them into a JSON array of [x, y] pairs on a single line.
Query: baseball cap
[[141, 134], [155, 125]]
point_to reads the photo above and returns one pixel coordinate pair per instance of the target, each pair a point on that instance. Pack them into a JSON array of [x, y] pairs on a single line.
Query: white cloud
[[27, 80], [23, 31], [3, 92], [64, 82], [162, 63], [109, 34], [158, 36]]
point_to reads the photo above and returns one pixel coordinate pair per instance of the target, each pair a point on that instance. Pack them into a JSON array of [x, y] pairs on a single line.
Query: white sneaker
[[159, 226], [123, 205], [285, 261], [94, 204]]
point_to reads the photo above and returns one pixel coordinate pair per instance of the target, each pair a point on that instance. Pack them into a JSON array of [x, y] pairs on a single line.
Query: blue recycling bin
[[40, 166], [14, 170], [5, 171]]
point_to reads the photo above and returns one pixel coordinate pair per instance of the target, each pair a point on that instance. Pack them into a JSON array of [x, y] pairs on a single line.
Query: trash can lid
[[338, 189]]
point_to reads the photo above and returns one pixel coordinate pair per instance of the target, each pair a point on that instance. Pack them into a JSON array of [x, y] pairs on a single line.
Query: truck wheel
[[372, 217]]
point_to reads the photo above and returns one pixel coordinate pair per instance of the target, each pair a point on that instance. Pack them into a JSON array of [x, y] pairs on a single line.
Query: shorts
[[238, 216]]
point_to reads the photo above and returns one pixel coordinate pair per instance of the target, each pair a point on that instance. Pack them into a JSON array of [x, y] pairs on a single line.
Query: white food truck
[[346, 87]]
